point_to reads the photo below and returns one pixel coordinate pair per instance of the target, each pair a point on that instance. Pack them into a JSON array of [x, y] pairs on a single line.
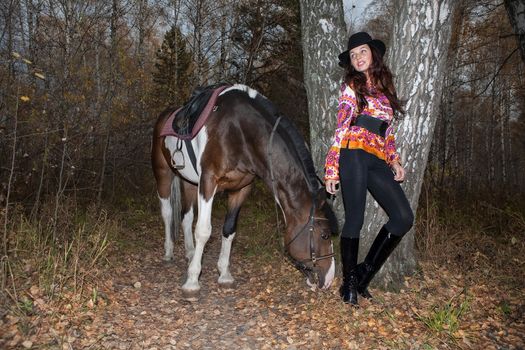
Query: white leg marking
[[224, 260], [202, 234], [167, 217], [187, 222]]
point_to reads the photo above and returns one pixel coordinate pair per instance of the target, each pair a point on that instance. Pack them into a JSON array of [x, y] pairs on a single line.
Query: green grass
[[25, 305], [505, 308], [446, 318]]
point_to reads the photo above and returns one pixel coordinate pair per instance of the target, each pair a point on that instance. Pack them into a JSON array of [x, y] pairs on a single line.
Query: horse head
[[310, 248]]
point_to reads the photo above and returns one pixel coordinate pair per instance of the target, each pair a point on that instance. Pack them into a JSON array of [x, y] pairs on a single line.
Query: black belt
[[375, 125]]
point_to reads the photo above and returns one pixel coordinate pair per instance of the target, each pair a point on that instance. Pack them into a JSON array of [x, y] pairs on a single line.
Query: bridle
[[301, 265]]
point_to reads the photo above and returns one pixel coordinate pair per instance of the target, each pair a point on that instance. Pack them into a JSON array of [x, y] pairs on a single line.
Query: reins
[[300, 265]]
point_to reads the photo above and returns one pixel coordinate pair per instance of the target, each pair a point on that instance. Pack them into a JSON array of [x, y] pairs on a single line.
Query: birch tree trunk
[[516, 12], [417, 55], [323, 39], [113, 63]]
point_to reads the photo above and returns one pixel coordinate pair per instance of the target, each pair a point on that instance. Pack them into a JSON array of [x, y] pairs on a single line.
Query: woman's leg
[[389, 194], [391, 197], [353, 175]]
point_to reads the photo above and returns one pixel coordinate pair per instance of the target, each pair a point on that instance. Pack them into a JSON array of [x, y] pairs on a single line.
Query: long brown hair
[[382, 80]]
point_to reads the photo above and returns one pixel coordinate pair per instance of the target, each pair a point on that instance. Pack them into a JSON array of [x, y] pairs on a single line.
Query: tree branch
[[497, 72]]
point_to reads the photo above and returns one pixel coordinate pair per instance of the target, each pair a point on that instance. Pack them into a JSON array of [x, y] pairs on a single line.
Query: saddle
[[186, 121]]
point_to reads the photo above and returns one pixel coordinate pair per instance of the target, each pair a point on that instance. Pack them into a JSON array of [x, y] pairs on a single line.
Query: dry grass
[[486, 240], [54, 259]]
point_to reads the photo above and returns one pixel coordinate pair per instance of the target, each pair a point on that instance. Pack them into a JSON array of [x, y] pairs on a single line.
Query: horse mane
[[294, 140]]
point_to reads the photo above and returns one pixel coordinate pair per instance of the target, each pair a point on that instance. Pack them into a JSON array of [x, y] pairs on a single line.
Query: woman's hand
[[399, 172], [331, 186]]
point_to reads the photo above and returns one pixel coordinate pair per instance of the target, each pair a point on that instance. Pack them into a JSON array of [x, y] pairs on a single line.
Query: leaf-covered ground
[[138, 305]]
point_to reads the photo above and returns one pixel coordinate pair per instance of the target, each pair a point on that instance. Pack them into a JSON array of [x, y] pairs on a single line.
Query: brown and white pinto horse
[[244, 138]]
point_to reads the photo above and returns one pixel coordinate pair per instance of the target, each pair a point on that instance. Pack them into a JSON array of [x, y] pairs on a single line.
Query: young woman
[[363, 157]]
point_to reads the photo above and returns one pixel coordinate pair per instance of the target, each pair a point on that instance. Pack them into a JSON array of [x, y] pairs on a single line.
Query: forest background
[[82, 82]]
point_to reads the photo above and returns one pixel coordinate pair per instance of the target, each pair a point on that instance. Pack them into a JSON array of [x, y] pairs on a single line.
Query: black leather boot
[[379, 252], [349, 250]]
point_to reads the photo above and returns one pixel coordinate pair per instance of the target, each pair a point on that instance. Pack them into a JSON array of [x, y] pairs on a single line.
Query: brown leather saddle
[[186, 121]]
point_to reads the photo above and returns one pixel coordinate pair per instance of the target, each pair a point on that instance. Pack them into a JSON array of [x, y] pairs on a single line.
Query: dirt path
[[148, 311]]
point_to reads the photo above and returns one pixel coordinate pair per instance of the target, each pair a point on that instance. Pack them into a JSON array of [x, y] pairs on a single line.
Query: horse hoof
[[167, 258], [190, 294], [190, 289], [227, 285]]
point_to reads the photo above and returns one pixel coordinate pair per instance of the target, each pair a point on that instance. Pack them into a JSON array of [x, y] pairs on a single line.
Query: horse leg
[[202, 233], [188, 208], [167, 218], [165, 181], [235, 200]]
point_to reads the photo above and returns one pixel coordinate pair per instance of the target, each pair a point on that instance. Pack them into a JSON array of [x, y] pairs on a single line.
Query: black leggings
[[359, 171]]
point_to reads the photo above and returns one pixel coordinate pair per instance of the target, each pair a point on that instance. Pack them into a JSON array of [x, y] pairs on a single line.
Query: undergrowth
[[487, 239], [56, 261]]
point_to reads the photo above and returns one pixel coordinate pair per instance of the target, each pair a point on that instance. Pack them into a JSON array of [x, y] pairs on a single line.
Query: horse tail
[[175, 201]]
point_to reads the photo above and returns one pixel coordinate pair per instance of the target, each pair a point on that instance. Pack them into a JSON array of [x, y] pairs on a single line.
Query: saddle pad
[[168, 130]]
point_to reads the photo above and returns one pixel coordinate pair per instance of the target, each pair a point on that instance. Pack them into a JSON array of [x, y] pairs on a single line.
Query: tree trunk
[[323, 38], [516, 12], [417, 55], [491, 139], [113, 63]]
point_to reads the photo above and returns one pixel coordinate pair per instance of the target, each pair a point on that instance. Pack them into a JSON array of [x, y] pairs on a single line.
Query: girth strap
[[191, 154]]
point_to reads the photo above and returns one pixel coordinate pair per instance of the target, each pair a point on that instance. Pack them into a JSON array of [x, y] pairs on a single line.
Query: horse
[[243, 139]]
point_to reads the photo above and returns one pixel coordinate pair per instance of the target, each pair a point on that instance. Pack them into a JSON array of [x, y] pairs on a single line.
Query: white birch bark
[[516, 12], [323, 38], [417, 55]]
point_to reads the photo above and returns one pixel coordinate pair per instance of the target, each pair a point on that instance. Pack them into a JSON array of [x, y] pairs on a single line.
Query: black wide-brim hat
[[359, 39]]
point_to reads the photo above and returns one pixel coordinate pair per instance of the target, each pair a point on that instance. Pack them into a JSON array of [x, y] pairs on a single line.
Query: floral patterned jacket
[[355, 137]]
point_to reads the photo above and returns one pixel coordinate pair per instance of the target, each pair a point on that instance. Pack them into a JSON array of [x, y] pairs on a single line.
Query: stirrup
[[178, 163]]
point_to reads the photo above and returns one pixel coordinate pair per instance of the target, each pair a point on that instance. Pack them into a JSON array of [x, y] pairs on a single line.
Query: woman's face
[[361, 58]]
